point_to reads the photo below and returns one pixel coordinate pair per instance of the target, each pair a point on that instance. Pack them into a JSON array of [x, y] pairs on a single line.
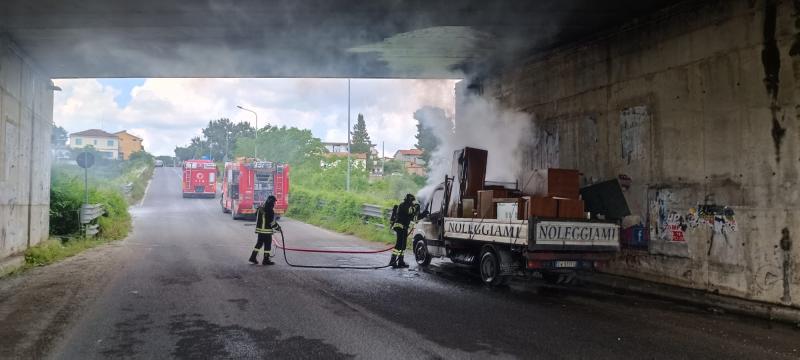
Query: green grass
[[54, 250]]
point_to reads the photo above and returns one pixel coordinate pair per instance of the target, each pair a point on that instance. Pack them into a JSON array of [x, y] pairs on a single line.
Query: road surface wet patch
[[127, 336], [241, 304], [228, 274], [198, 338], [184, 279]]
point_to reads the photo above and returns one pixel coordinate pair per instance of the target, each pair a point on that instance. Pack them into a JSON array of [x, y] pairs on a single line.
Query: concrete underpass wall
[[698, 107], [26, 115]]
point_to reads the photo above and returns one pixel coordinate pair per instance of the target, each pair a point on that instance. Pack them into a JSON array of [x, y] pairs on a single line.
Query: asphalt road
[[180, 287]]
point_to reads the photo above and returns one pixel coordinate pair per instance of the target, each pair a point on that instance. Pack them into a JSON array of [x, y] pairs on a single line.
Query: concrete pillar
[[698, 106], [26, 116]]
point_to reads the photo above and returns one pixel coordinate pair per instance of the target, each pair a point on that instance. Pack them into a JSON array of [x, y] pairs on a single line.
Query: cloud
[[169, 112]]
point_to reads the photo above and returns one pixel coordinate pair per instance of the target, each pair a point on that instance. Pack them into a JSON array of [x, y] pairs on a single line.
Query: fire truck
[[247, 183], [199, 178], [502, 231]]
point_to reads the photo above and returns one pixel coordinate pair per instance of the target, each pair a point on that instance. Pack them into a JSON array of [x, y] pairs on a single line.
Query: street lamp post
[[255, 150]]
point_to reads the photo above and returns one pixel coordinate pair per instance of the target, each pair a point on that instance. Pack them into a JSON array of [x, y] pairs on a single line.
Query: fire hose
[[284, 248]]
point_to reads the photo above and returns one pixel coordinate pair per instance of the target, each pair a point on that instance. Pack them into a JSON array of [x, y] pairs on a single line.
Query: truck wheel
[[421, 253], [490, 270]]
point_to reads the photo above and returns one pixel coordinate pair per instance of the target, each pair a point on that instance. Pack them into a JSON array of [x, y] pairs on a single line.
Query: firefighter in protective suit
[[402, 216], [265, 227]]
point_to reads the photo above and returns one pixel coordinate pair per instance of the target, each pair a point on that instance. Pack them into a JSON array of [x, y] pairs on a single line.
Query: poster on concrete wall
[[632, 125]]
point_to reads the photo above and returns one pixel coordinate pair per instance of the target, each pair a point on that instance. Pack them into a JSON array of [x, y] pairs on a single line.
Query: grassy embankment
[[108, 182], [317, 196], [339, 212]]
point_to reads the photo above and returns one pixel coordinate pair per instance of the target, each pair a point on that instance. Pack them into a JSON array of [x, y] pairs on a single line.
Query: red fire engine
[[199, 178], [247, 183]]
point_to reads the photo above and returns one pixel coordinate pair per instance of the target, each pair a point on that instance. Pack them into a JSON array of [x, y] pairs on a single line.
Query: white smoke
[[485, 124]]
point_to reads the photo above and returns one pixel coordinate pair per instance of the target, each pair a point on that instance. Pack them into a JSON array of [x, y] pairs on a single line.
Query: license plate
[[566, 264]]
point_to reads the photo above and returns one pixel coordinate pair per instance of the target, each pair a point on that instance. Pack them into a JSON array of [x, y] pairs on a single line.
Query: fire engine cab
[[247, 183], [199, 178]]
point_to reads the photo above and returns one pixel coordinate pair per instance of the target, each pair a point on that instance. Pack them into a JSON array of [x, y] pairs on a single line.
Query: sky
[[168, 112]]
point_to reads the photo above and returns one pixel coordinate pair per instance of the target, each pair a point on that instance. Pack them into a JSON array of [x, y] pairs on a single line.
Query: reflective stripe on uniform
[[262, 251], [264, 231]]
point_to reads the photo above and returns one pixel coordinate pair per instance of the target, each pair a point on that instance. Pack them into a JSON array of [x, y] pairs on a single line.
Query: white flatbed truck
[[500, 249]]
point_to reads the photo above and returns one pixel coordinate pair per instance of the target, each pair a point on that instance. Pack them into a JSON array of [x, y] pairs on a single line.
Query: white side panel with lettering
[[567, 233], [500, 231]]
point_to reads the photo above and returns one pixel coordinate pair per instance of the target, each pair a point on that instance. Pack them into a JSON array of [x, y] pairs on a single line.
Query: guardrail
[[374, 211], [89, 213]]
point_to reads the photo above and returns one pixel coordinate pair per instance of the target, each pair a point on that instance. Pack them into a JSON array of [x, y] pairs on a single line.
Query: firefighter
[[265, 227], [402, 216]]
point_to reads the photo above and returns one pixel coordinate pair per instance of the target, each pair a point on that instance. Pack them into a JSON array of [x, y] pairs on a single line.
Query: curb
[[700, 298], [10, 264]]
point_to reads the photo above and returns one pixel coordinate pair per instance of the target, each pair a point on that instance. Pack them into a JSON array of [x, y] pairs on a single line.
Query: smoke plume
[[485, 124]]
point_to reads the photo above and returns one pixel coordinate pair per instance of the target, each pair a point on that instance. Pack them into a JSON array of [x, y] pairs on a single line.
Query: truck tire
[[222, 205], [233, 211], [489, 268], [421, 254]]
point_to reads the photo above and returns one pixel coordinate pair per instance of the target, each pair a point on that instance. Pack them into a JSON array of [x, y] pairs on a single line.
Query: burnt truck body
[[504, 247]]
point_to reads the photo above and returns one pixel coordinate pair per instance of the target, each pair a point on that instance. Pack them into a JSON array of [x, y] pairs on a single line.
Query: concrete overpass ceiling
[[320, 38]]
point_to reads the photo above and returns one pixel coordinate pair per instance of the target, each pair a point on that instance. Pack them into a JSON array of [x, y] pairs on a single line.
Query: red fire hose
[[281, 246]]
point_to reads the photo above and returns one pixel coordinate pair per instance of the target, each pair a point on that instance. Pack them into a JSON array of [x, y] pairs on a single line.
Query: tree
[[220, 135], [429, 119], [394, 167], [58, 138], [289, 145], [361, 143]]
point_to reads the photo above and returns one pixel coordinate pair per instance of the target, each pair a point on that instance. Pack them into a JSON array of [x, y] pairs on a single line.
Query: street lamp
[[255, 150]]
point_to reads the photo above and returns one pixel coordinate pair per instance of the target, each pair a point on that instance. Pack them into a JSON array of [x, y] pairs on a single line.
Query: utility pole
[[383, 158], [348, 135], [227, 133]]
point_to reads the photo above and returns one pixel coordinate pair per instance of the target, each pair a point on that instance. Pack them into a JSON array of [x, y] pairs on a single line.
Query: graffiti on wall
[[632, 124], [667, 224], [672, 225], [721, 219]]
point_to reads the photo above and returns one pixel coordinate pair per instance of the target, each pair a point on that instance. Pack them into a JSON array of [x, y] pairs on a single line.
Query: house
[[415, 169], [412, 161], [330, 159], [335, 147], [412, 156], [128, 144], [341, 147], [105, 143]]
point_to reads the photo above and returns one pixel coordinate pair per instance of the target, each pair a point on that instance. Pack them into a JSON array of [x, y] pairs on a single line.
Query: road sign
[[85, 160]]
